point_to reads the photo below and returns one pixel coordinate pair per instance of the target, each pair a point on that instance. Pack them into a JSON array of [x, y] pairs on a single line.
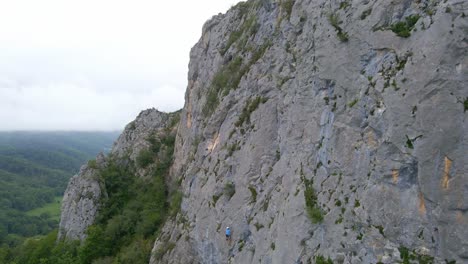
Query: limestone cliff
[[325, 129], [315, 129], [81, 201]]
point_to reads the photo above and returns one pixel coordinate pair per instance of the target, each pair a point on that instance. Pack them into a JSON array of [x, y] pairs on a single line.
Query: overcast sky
[[94, 64]]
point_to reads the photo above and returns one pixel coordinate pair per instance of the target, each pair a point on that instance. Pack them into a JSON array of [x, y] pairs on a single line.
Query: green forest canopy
[[34, 171], [128, 221]]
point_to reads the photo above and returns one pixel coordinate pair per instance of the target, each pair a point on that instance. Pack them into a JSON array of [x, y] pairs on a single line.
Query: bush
[[408, 256], [253, 194], [117, 182], [313, 210], [230, 75], [409, 143], [335, 22], [249, 108], [403, 28], [92, 164], [315, 214], [215, 199], [287, 6], [357, 203], [249, 26], [139, 251], [321, 260], [134, 210], [155, 144], [229, 190], [353, 103], [412, 20], [95, 246], [232, 148], [342, 36], [144, 158], [258, 53], [42, 250], [176, 201], [224, 80], [36, 250]]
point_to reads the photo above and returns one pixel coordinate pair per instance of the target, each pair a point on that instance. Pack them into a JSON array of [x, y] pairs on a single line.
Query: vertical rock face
[[324, 128], [82, 199], [80, 202], [314, 129]]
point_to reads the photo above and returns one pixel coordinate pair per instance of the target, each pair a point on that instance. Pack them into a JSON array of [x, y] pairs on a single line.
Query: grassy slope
[[51, 209]]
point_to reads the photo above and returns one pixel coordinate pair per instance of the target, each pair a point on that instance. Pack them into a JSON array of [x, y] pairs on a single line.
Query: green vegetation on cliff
[[403, 28], [130, 217]]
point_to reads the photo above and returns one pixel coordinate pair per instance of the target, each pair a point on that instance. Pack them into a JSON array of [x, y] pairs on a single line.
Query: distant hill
[[34, 169]]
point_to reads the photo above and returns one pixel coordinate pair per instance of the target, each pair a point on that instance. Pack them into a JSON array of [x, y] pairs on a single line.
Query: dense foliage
[[34, 170], [131, 215], [127, 224], [403, 28]]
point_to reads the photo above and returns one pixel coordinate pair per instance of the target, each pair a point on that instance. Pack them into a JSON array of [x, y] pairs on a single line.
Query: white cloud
[[78, 107], [93, 65]]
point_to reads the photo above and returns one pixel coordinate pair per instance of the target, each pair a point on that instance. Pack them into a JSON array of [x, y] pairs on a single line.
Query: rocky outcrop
[[81, 201], [134, 138], [324, 128], [85, 191], [136, 135]]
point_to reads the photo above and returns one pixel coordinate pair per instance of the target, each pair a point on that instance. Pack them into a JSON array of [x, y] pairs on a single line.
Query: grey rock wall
[[81, 202], [288, 96], [376, 121], [134, 137]]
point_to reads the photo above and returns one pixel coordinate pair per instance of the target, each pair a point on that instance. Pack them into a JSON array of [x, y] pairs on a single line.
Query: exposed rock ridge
[[80, 202], [134, 137], [84, 193]]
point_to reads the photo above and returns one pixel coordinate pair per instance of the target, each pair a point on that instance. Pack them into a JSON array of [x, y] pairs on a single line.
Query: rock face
[[315, 130], [357, 106], [84, 193], [134, 138], [80, 202]]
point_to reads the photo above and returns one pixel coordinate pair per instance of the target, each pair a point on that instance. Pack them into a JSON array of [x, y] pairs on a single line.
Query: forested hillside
[[136, 201], [34, 171]]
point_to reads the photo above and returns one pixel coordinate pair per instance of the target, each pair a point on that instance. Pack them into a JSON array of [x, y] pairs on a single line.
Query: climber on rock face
[[228, 233]]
